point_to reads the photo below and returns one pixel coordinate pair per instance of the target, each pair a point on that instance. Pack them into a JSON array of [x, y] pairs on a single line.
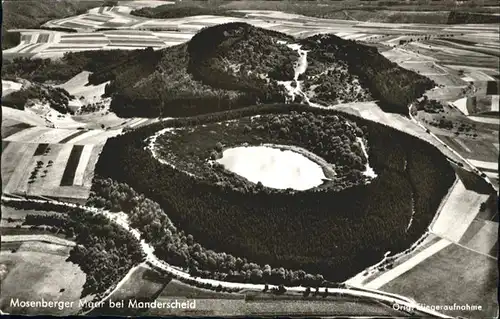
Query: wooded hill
[[235, 65], [231, 66]]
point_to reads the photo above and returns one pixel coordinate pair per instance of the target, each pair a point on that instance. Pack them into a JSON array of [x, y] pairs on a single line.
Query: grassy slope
[[33, 13]]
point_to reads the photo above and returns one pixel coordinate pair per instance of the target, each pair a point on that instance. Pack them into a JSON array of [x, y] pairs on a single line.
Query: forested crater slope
[[333, 232], [234, 65]]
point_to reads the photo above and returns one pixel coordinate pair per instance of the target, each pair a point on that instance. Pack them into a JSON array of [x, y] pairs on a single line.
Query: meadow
[[40, 272]]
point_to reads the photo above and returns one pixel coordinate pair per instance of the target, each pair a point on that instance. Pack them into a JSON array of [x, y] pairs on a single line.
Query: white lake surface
[[273, 167]]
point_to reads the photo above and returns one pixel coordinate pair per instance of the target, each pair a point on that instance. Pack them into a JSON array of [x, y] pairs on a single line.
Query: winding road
[[121, 219]]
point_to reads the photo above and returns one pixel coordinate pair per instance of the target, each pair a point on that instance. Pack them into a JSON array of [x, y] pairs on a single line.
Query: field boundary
[[41, 238]]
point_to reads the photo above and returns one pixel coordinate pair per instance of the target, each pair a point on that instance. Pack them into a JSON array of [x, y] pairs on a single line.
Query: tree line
[[61, 70], [104, 251], [57, 98], [175, 247]]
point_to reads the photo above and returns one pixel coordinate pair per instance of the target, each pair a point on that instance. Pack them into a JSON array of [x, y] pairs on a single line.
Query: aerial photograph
[[250, 158]]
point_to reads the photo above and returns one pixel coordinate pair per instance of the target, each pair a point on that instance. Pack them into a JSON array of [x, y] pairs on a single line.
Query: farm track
[[121, 220], [466, 161], [42, 238]]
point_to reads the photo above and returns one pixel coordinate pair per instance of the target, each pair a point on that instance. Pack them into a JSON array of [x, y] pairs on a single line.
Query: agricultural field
[[53, 170], [39, 270], [129, 32], [258, 303], [231, 307], [465, 67], [455, 216], [472, 273], [463, 241]]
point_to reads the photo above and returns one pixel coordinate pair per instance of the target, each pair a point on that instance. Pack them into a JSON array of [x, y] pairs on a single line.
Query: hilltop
[[235, 65]]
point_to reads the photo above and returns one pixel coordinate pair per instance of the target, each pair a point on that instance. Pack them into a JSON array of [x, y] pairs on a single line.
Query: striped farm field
[[142, 35], [73, 48], [80, 35], [486, 165], [88, 173], [41, 149], [53, 136], [482, 237], [55, 165], [78, 25], [135, 40], [455, 216], [43, 38], [46, 173], [37, 47], [95, 17], [78, 45], [26, 37], [71, 165], [85, 41], [67, 157], [41, 135], [13, 127], [72, 136], [14, 161], [83, 162], [96, 137]]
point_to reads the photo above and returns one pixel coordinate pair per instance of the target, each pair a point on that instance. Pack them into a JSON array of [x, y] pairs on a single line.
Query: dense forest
[[387, 82], [231, 66], [169, 11], [72, 63], [57, 98], [336, 234], [221, 68], [457, 17], [331, 137], [104, 251], [177, 248]]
